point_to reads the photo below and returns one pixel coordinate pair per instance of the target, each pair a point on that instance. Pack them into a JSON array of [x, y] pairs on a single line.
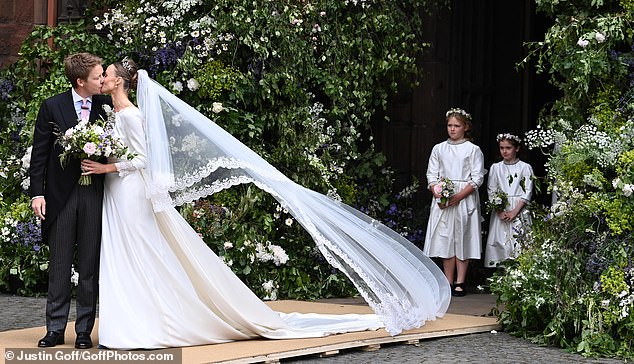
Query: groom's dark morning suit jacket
[[73, 213], [48, 177]]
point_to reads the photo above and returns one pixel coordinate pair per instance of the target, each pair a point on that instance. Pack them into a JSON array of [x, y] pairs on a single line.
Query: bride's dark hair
[[127, 69]]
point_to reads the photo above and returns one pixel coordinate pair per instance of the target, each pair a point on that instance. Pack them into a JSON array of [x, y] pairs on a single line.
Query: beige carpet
[[272, 350]]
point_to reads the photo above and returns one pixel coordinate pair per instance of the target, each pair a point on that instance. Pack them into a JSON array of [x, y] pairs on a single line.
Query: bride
[[161, 286]]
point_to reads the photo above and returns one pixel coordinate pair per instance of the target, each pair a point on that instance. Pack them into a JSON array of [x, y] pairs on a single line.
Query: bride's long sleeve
[[134, 136]]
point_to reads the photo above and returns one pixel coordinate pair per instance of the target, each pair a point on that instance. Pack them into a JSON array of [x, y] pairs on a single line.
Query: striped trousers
[[75, 235]]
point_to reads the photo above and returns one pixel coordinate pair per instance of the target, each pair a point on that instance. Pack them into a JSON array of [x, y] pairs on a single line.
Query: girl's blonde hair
[[463, 117]]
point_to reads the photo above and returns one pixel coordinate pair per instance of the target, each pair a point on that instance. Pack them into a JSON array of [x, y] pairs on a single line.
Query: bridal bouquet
[[91, 141], [445, 188], [497, 201]]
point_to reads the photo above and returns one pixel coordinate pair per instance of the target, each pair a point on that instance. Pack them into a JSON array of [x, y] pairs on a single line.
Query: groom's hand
[[39, 207]]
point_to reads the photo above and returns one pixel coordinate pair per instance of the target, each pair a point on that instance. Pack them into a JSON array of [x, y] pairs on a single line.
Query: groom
[[70, 213]]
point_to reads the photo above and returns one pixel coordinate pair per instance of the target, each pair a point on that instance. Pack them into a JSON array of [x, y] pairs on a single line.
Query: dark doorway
[[472, 63]]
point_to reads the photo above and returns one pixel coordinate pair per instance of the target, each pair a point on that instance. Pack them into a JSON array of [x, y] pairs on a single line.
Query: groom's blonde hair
[[79, 65]]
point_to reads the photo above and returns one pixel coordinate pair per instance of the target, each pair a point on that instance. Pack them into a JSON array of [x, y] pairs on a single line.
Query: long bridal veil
[[190, 157]]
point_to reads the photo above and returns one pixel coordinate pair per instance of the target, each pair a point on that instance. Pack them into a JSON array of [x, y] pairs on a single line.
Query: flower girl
[[454, 173], [510, 187]]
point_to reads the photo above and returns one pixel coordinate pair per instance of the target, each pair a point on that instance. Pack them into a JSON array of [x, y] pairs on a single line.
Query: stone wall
[[17, 18]]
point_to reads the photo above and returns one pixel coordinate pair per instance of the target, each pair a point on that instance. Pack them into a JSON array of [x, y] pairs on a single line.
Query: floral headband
[[508, 136], [459, 111], [126, 64]]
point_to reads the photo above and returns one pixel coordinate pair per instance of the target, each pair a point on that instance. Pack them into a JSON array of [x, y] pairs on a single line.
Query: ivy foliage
[[297, 82], [573, 285]]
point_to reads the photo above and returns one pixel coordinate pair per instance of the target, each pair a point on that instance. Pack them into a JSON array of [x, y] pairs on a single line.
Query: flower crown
[[126, 64], [508, 136], [456, 110]]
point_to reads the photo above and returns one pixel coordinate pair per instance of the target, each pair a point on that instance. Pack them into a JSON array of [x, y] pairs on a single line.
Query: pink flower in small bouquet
[[91, 141], [445, 188]]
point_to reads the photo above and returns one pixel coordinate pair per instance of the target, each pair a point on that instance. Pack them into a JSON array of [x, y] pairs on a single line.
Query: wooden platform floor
[[466, 315]]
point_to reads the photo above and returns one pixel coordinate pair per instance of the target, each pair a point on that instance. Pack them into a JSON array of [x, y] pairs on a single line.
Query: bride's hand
[[91, 167]]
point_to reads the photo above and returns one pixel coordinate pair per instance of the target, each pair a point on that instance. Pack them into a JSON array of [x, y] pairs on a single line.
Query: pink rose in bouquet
[[445, 189], [91, 141]]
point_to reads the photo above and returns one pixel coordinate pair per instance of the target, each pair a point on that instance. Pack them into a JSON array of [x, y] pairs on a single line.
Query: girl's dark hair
[[511, 138]]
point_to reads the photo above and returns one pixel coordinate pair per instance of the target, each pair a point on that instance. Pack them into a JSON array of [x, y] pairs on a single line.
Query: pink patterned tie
[[85, 109]]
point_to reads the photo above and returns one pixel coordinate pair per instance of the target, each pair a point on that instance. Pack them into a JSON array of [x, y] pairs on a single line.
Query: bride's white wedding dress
[[161, 286]]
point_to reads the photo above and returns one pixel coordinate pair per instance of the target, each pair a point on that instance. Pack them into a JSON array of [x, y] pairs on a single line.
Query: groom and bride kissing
[[159, 284]]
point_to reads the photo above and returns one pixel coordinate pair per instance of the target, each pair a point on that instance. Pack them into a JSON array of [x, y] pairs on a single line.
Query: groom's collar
[[77, 98]]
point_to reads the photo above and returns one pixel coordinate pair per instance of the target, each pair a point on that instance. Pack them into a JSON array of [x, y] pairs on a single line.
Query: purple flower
[[29, 234], [392, 210], [5, 89]]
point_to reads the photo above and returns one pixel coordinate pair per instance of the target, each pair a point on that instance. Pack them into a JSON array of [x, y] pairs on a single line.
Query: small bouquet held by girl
[[445, 189], [498, 201], [92, 141]]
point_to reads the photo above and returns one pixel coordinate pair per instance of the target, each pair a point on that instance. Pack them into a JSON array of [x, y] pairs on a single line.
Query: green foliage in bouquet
[[497, 202]]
